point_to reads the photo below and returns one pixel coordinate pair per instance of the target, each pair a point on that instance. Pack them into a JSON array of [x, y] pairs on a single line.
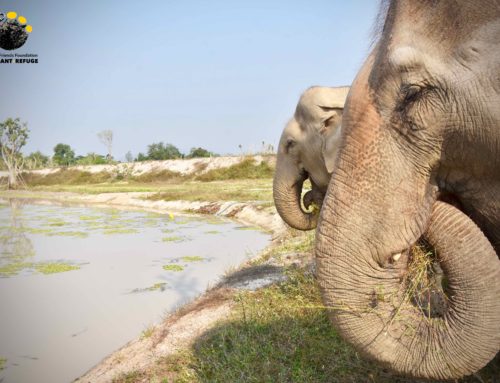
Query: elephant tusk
[[396, 257]]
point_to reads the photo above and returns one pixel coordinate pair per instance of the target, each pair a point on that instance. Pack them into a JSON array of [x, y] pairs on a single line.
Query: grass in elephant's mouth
[[424, 282]]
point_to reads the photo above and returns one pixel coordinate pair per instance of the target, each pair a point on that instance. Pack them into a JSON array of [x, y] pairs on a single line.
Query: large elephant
[[307, 149], [421, 125]]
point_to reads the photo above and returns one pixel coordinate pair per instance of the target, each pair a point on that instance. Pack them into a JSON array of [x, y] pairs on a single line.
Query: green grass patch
[[230, 190], [248, 168], [192, 258], [242, 190], [158, 176], [276, 334], [212, 232], [173, 267], [147, 332], [302, 242], [67, 177], [3, 361]]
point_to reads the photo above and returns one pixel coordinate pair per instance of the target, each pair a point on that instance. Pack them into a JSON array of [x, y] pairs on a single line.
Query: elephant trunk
[[287, 191], [373, 309]]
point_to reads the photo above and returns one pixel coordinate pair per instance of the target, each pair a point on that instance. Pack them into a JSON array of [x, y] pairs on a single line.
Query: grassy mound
[[246, 169]]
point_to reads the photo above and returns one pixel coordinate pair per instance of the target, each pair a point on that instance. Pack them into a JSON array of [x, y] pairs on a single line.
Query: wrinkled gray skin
[[421, 124], [307, 149]]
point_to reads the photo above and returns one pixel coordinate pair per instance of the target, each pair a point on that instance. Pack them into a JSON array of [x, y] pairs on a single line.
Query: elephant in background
[[421, 125], [307, 149]]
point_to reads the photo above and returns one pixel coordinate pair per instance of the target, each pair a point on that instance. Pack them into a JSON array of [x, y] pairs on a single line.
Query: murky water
[[77, 283]]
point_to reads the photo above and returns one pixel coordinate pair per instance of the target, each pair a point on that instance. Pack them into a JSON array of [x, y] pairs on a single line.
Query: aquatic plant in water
[[192, 258], [54, 267], [88, 217], [173, 267], [253, 228], [14, 268], [120, 231], [174, 238], [80, 234], [160, 286]]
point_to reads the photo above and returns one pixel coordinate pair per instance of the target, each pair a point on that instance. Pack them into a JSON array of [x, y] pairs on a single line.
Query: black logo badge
[[14, 30]]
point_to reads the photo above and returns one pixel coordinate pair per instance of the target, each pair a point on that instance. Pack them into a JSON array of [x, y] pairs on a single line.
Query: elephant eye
[[290, 143], [410, 93]]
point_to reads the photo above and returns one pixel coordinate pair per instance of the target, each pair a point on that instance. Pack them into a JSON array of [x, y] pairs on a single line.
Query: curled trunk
[[371, 306], [287, 191]]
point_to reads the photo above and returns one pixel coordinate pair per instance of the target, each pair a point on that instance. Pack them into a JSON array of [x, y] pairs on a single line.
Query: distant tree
[[200, 152], [129, 157], [91, 159], [141, 157], [106, 137], [13, 136], [161, 151], [37, 160], [63, 155]]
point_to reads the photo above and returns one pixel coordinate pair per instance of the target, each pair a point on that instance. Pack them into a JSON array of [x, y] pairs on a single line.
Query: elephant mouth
[[424, 284], [312, 199]]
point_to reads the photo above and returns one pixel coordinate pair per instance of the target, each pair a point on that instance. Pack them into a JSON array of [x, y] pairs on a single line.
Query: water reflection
[[16, 249]]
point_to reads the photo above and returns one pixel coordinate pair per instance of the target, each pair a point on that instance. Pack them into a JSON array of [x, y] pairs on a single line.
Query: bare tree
[[106, 137], [13, 136]]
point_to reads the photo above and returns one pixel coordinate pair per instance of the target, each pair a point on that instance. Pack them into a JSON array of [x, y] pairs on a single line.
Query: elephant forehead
[[292, 131]]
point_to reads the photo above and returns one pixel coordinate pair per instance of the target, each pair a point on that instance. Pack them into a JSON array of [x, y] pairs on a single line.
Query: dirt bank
[[181, 166]]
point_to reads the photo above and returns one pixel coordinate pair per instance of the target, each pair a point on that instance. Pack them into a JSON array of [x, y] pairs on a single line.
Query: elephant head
[[421, 124], [307, 149]]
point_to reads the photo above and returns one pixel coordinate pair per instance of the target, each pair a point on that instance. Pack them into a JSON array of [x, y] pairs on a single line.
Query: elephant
[[307, 149], [419, 161]]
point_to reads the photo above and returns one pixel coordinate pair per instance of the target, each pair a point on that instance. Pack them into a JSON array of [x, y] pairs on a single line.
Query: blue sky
[[216, 74]]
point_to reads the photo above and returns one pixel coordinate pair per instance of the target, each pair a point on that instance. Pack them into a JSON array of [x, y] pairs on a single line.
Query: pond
[[76, 283]]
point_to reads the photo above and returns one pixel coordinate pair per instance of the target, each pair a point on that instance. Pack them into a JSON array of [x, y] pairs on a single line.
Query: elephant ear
[[331, 135]]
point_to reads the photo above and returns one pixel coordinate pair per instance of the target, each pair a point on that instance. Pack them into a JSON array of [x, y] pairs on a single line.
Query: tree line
[[14, 135]]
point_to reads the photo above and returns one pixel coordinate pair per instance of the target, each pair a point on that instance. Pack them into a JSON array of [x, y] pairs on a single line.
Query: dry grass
[[425, 283]]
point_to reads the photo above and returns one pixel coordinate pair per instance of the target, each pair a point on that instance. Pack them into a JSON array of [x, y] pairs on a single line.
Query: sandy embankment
[[182, 166]]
